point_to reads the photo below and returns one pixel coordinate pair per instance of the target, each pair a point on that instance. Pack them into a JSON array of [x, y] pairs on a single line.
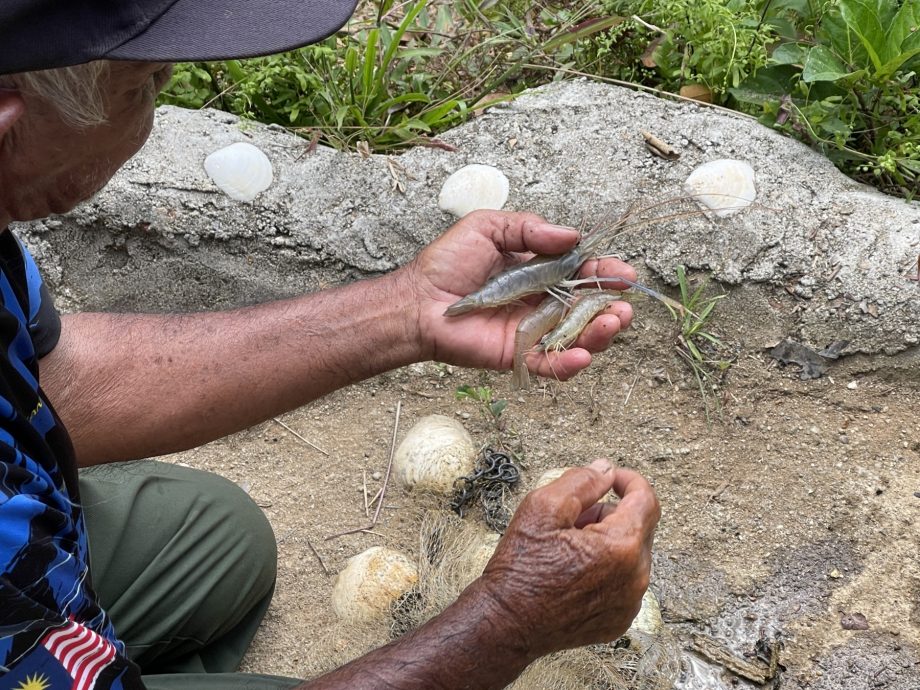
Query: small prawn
[[529, 331], [585, 309]]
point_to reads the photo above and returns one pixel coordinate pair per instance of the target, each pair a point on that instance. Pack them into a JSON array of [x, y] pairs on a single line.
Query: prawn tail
[[462, 306], [520, 375]]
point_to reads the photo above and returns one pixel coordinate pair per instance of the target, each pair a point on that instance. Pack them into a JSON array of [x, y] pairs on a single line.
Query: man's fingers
[[595, 513], [521, 232], [608, 268], [559, 365], [638, 510], [598, 334], [575, 491]]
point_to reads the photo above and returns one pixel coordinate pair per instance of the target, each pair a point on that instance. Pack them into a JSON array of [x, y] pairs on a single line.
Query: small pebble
[[843, 438], [376, 476], [852, 385]]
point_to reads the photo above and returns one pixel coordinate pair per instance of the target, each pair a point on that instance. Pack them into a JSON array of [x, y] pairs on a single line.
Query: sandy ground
[[793, 506]]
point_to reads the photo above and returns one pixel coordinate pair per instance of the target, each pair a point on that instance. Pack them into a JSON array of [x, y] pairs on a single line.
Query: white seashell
[[473, 187], [371, 582], [648, 620], [240, 170], [433, 454], [723, 186], [647, 625]]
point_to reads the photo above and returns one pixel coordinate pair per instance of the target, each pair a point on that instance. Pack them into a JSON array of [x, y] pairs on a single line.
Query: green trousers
[[184, 563]]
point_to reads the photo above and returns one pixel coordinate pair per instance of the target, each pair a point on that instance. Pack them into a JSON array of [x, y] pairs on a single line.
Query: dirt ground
[[794, 506]]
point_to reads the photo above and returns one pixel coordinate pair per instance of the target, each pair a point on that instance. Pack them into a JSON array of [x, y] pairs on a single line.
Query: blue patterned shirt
[[53, 633]]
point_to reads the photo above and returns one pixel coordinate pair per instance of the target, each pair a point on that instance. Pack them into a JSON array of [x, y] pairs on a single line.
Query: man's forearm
[[131, 386], [471, 644]]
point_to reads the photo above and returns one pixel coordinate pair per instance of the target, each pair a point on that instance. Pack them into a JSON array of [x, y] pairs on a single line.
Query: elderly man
[[183, 563]]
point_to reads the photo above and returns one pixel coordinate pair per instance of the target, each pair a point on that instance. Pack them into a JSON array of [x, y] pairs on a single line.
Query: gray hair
[[75, 92]]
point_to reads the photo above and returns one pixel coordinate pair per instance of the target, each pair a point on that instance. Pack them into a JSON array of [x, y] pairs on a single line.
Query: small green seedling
[[696, 345], [493, 409]]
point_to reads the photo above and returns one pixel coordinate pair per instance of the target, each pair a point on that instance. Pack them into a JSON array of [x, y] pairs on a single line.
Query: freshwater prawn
[[554, 275], [551, 274]]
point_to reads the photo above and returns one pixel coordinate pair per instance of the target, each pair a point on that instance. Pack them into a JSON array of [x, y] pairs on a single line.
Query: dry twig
[[316, 553], [383, 489], [312, 445]]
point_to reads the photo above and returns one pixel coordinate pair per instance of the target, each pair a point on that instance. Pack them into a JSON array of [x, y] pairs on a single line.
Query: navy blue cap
[[41, 34]]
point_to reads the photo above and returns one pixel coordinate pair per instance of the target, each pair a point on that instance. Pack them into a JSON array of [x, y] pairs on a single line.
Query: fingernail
[[602, 466], [566, 228]]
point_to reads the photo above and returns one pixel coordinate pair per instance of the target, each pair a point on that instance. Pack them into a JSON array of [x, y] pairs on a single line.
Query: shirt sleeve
[[44, 320], [45, 324]]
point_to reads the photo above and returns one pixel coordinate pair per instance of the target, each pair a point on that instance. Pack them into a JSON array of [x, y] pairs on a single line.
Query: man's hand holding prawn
[[465, 257]]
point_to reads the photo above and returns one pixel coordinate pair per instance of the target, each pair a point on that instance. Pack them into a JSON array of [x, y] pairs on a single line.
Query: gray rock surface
[[830, 258]]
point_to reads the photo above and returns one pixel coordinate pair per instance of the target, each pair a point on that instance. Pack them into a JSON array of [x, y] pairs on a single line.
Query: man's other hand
[[571, 571]]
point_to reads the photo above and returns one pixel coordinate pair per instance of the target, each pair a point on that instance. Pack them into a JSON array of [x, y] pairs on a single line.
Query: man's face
[[47, 166]]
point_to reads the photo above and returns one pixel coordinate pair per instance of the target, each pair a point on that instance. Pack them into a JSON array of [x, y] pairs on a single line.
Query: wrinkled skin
[[572, 571]]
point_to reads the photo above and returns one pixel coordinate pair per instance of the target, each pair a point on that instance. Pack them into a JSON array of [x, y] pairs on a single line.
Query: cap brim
[[192, 30]]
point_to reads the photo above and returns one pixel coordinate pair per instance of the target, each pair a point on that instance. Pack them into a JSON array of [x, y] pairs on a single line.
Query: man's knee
[[147, 512]]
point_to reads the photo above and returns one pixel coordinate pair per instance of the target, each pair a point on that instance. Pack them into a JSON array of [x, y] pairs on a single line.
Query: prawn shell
[[529, 331], [585, 309], [514, 283]]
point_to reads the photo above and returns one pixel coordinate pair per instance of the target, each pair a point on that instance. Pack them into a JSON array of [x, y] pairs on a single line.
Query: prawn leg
[[638, 287]]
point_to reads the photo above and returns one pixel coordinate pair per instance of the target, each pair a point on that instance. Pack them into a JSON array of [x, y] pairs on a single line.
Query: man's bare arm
[[132, 386], [471, 644]]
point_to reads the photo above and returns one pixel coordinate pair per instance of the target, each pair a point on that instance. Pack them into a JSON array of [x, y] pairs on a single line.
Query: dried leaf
[[698, 92], [648, 56]]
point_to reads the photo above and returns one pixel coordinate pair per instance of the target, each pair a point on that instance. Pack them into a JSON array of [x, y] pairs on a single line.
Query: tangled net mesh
[[490, 485], [453, 553]]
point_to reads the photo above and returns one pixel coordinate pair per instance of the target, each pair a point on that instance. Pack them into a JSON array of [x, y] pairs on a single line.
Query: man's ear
[[11, 109]]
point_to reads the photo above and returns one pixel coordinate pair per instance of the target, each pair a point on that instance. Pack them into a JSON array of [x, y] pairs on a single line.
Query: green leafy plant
[[392, 82], [843, 78], [698, 347], [713, 43]]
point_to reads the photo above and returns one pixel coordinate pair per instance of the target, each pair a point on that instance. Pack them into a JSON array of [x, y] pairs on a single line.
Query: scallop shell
[[370, 583], [648, 620], [433, 454], [473, 187], [240, 170], [724, 187]]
